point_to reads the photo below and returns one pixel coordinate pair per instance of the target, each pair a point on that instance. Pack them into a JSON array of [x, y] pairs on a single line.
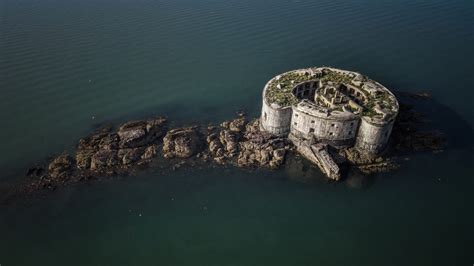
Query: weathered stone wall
[[306, 90], [332, 130], [373, 137], [275, 120]]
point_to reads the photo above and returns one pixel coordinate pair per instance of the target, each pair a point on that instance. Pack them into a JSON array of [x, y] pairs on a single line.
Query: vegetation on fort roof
[[369, 107], [336, 77], [284, 96]]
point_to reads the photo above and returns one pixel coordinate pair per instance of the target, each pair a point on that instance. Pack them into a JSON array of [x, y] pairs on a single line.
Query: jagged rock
[[238, 124], [229, 140], [92, 142], [60, 166], [129, 156], [214, 146], [156, 128], [150, 152], [132, 134], [83, 158], [182, 142], [109, 142], [103, 159], [357, 158], [244, 144], [140, 133]]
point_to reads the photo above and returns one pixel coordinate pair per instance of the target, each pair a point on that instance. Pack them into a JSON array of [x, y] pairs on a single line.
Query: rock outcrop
[[105, 152], [182, 142], [133, 142], [244, 145], [60, 167]]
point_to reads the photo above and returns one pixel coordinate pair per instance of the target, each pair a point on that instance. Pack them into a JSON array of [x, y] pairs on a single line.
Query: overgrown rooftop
[[280, 88]]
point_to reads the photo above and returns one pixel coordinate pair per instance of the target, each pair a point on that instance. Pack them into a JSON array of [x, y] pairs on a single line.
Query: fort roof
[[375, 100]]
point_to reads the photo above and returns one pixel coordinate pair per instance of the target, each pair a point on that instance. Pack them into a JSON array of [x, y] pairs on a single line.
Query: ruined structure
[[316, 107]]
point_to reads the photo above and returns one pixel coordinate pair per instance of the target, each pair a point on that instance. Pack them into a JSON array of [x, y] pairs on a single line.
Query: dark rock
[[103, 159], [35, 171], [92, 142], [132, 134], [61, 166], [83, 158], [141, 133], [129, 156], [182, 143], [238, 124], [109, 142], [150, 152]]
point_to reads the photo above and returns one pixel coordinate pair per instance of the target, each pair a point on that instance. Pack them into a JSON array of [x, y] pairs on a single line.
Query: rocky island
[[336, 119]]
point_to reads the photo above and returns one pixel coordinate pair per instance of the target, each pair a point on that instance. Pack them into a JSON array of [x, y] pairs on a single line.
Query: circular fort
[[331, 106]]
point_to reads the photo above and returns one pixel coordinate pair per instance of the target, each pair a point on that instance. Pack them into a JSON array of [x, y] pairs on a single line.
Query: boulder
[[238, 124], [150, 152], [156, 128], [83, 158], [93, 141], [132, 134], [61, 166], [109, 142], [182, 142], [129, 156], [103, 159], [141, 133]]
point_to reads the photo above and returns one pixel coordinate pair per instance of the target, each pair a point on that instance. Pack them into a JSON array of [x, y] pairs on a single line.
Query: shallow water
[[68, 66]]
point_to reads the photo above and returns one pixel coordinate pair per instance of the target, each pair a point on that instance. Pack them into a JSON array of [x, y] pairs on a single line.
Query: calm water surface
[[67, 66]]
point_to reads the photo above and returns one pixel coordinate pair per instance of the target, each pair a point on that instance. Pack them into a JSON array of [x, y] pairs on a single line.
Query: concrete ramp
[[325, 161], [319, 155]]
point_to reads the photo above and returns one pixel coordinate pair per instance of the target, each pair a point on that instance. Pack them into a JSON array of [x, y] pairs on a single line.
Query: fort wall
[[373, 137], [335, 130], [275, 120]]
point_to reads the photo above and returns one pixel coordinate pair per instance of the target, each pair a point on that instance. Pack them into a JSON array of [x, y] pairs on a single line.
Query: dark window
[[296, 115], [295, 123], [330, 134], [350, 132], [312, 121], [311, 130], [333, 125], [265, 116]]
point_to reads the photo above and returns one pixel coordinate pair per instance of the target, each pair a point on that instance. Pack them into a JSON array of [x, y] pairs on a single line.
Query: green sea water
[[68, 66]]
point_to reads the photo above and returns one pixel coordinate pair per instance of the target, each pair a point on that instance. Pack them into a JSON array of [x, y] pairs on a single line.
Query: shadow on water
[[439, 117]]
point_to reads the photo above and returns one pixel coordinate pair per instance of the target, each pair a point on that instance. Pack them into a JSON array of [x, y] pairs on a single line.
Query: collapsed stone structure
[[317, 107]]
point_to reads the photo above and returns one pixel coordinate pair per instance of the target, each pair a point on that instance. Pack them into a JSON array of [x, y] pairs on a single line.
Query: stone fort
[[316, 107]]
